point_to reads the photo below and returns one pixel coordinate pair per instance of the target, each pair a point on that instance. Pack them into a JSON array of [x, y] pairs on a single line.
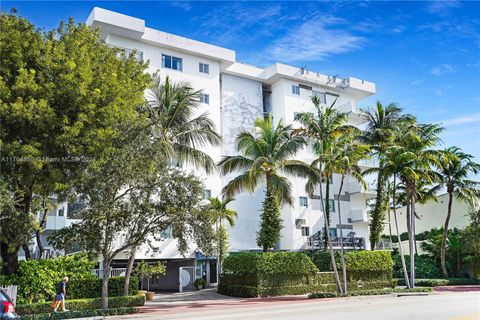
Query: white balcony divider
[[114, 272]]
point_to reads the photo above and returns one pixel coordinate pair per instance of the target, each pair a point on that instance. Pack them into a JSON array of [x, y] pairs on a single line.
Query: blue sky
[[423, 55]]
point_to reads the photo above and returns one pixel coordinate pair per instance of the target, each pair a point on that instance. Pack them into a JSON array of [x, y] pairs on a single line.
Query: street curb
[[407, 294]]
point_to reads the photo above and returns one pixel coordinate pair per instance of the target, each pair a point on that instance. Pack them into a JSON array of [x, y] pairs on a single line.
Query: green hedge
[[268, 263], [80, 314], [38, 279], [425, 266], [92, 288], [320, 295], [441, 282], [82, 304]]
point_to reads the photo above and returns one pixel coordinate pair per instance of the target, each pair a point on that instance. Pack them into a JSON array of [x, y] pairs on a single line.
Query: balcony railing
[[355, 243], [385, 244], [114, 272]]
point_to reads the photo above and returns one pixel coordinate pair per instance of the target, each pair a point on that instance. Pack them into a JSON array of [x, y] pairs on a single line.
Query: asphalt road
[[443, 306]]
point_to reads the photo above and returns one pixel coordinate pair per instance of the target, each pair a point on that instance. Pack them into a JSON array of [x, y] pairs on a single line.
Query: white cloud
[[439, 92], [185, 5], [442, 7], [417, 81], [315, 39], [474, 117], [442, 69]]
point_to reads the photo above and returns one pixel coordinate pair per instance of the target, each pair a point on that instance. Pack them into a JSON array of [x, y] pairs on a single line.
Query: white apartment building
[[235, 94]]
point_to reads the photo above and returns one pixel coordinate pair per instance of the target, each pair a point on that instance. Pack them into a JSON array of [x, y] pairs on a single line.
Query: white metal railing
[[114, 272], [385, 244], [11, 292], [356, 243]]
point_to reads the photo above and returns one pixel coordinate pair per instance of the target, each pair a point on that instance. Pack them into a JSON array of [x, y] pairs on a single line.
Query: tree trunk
[[9, 259], [411, 238], [41, 249], [400, 249], [329, 242], [327, 208], [344, 268], [377, 221], [128, 272], [443, 246], [26, 250], [220, 249], [106, 276]]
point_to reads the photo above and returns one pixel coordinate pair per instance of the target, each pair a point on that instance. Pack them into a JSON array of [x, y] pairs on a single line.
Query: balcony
[[355, 116], [368, 163], [354, 187], [385, 244], [359, 215]]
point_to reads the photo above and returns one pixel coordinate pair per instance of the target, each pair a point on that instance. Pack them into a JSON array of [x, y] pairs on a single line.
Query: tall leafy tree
[[382, 122], [265, 156], [454, 169], [63, 96], [348, 151], [220, 213]]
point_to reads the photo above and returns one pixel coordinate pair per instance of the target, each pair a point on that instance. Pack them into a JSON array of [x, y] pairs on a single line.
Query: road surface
[[437, 306]]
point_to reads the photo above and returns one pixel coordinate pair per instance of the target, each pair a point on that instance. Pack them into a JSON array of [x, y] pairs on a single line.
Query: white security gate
[[11, 292], [186, 278]]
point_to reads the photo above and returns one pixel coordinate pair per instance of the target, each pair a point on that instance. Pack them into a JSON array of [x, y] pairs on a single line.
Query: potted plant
[[147, 271], [200, 283]]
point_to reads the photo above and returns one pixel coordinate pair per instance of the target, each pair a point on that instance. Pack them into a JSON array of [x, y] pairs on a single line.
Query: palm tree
[[265, 156], [175, 128], [220, 213], [397, 161], [417, 139], [454, 168], [176, 132], [323, 127], [382, 123], [348, 152]]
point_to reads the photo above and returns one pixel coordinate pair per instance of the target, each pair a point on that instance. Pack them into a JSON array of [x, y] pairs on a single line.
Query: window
[[207, 194], [167, 233], [171, 62], [306, 231], [203, 68], [61, 212], [303, 202], [295, 89], [205, 98]]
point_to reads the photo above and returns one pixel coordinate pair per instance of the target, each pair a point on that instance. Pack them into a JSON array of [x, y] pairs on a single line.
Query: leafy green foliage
[[442, 282], [92, 288], [372, 292], [82, 304], [268, 263], [81, 314], [322, 259], [369, 261], [425, 266], [67, 96], [37, 279], [270, 223]]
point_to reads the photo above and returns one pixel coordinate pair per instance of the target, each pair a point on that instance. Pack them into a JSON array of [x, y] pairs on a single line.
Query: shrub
[[322, 259], [80, 314], [82, 304], [92, 288], [441, 282], [268, 263], [37, 279], [320, 295], [369, 265], [425, 267]]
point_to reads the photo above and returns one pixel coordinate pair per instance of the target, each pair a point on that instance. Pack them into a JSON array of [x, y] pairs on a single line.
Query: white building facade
[[234, 95]]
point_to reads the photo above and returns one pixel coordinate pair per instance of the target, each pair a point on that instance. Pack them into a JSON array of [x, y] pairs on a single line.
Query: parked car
[[7, 309]]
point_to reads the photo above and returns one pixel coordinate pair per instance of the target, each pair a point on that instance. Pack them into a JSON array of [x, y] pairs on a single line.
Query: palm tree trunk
[[344, 268], [327, 206], [377, 221], [400, 249], [443, 246], [128, 272], [329, 242], [411, 238]]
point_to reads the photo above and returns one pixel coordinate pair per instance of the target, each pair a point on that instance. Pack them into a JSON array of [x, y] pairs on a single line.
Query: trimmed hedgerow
[[82, 304], [92, 288], [80, 314], [320, 295], [441, 282], [268, 263]]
